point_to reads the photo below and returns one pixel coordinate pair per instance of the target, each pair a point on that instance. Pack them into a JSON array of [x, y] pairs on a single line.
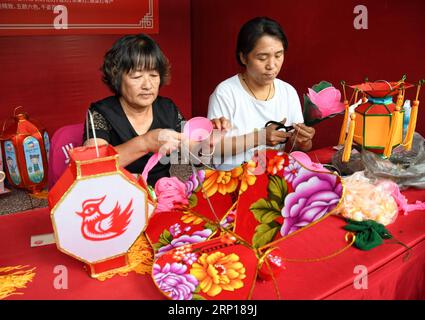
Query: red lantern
[[98, 210], [2, 175], [25, 149]]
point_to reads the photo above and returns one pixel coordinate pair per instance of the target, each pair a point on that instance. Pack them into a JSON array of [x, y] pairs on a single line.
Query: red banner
[[47, 17]]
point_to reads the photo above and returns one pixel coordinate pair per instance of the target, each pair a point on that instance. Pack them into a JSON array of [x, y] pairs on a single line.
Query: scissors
[[280, 126]]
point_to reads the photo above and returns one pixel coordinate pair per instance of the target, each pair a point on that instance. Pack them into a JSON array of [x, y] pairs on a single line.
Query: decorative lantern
[[2, 174], [377, 122], [98, 209], [25, 147]]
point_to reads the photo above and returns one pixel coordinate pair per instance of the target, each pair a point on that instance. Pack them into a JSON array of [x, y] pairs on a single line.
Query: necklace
[[252, 92]]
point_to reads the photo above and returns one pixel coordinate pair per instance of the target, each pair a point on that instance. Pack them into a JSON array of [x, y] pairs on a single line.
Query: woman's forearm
[[132, 150], [238, 144]]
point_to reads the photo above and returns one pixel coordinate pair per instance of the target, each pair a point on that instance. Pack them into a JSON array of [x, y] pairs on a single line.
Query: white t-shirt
[[230, 100]]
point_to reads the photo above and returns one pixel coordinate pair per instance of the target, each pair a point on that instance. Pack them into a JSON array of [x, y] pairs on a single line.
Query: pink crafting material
[[305, 160], [196, 129], [401, 199]]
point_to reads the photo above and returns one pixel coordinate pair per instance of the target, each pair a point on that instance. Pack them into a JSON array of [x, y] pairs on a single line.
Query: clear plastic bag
[[355, 163], [406, 168], [369, 199]]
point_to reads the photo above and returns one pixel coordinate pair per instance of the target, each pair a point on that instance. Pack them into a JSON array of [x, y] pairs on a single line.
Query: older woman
[[252, 98], [136, 120]]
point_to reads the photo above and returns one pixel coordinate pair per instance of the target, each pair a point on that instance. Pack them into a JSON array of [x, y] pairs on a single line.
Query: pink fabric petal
[[328, 101], [312, 94]]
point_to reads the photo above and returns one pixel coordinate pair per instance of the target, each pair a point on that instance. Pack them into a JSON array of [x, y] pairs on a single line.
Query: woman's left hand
[[302, 137], [222, 124]]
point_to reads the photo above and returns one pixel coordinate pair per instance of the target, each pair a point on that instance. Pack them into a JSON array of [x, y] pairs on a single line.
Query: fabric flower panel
[[216, 269]]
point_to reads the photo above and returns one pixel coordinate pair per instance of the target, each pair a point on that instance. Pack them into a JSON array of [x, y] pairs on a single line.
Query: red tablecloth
[[389, 277]]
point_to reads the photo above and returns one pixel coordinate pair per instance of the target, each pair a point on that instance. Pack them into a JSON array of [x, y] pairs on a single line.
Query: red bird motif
[[99, 226]]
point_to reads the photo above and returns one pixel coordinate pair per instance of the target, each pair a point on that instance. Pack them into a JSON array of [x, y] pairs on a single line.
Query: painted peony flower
[[197, 236], [217, 272], [188, 217], [275, 165], [315, 194], [174, 281], [248, 177], [223, 182], [193, 183]]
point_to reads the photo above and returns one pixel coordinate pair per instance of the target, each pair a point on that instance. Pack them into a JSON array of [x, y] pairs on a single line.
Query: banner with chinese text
[[57, 17]]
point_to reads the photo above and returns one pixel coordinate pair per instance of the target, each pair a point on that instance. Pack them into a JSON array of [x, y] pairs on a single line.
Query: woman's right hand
[[275, 137], [163, 141]]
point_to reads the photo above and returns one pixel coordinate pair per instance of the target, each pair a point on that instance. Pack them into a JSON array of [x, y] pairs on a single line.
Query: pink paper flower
[[170, 193], [328, 100]]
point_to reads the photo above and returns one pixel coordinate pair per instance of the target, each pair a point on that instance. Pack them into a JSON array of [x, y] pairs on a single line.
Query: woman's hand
[[302, 137], [221, 123], [275, 137], [163, 141], [220, 126]]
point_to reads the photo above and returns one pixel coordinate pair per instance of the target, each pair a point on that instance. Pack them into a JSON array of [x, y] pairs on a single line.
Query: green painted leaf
[[264, 234], [265, 211], [157, 246], [277, 190], [165, 237], [197, 297], [210, 226], [193, 200]]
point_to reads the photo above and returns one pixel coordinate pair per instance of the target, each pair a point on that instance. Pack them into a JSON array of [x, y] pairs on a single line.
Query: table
[[389, 277]]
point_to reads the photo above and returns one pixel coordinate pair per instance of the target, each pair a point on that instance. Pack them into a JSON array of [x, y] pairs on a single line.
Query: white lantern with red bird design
[[98, 209]]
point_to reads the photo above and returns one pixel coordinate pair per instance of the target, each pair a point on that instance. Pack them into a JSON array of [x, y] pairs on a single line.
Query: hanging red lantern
[[25, 149]]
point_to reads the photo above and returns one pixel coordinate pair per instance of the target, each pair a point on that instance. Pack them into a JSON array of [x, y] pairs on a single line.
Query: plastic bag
[[367, 199], [406, 168], [355, 163]]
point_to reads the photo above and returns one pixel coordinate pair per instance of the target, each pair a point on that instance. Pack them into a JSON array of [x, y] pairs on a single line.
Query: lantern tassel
[[140, 260], [13, 278], [413, 118], [344, 124], [395, 124], [349, 141], [343, 132], [412, 126]]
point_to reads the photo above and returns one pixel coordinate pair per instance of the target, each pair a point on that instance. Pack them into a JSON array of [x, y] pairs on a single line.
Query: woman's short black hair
[[133, 52], [253, 30]]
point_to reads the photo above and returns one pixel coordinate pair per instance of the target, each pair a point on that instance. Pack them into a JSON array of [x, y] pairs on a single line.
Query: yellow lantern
[[377, 122]]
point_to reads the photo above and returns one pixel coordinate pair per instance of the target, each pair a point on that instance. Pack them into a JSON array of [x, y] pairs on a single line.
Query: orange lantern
[[377, 121], [25, 148]]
